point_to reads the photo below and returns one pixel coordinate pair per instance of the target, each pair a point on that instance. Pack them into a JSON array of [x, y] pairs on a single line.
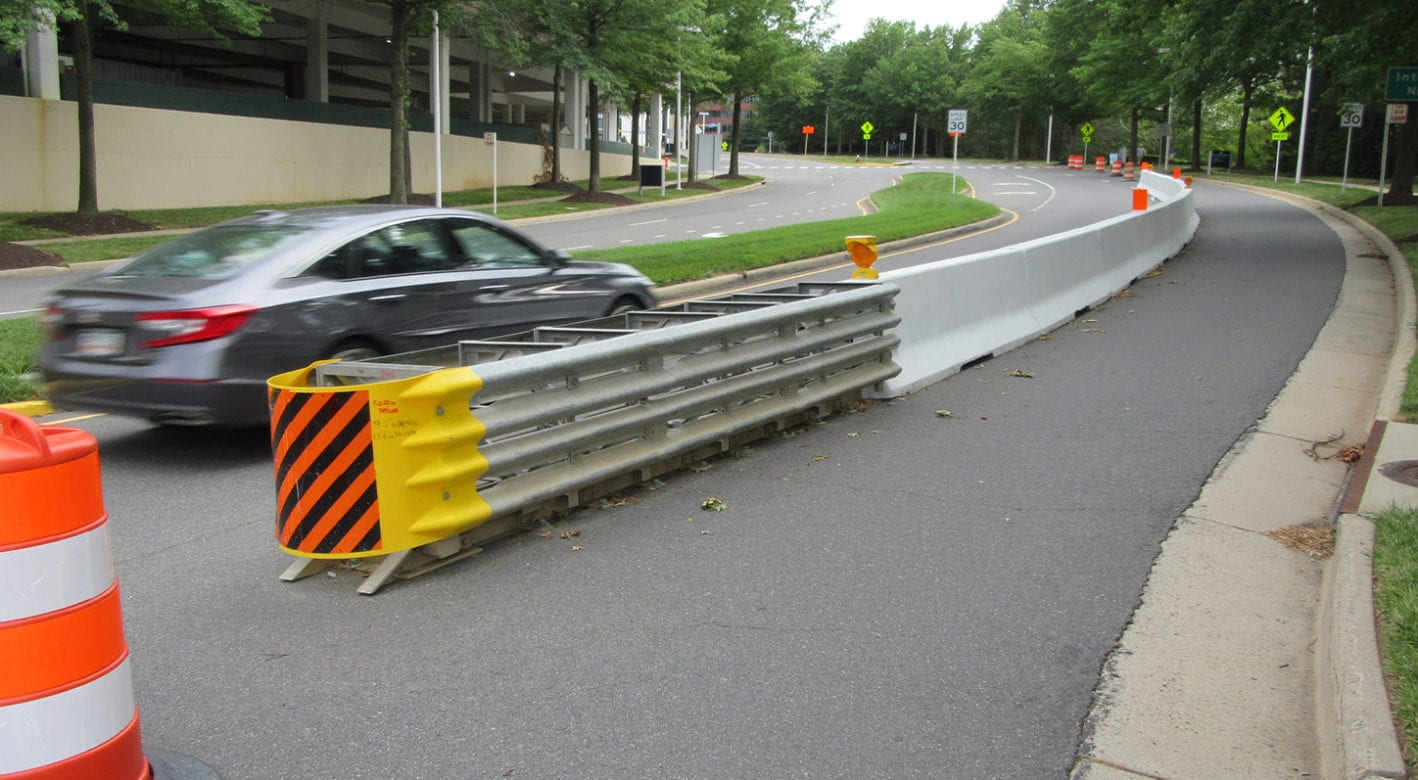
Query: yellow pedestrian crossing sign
[[1281, 119], [1086, 130], [867, 127]]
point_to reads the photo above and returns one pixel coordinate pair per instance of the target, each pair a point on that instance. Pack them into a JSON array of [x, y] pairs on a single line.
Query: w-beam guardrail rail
[[420, 457]]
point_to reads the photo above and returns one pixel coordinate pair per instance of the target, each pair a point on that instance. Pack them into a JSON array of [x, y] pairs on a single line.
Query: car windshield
[[215, 253]]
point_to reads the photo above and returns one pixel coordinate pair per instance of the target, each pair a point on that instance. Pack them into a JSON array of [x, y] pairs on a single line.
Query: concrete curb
[[1356, 717], [29, 408], [1365, 739]]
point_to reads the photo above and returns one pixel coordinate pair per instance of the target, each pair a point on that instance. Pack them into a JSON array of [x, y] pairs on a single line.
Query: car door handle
[[387, 298]]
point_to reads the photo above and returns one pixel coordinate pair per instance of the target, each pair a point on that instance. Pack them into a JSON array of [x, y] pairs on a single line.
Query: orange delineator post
[[66, 693], [1139, 199], [1177, 174]]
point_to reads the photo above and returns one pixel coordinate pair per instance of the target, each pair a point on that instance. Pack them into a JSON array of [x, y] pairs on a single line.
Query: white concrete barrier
[[957, 311]]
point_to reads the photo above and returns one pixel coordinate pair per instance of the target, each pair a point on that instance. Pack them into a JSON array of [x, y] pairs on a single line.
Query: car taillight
[[189, 325], [53, 321]]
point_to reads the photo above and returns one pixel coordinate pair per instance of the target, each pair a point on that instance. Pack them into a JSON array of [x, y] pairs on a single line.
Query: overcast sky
[[851, 15]]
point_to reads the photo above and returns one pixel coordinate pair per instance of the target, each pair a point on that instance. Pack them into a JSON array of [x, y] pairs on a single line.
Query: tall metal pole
[[1383, 162], [436, 88], [679, 145], [825, 117], [1304, 114], [1049, 142]]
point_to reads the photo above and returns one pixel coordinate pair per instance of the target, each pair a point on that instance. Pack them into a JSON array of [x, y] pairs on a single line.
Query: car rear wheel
[[623, 305], [355, 349]]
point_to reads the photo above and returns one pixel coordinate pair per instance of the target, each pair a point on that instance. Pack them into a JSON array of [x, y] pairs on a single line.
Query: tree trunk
[[556, 109], [1196, 135], [635, 137], [1407, 146], [593, 111], [734, 135], [1018, 122], [88, 148], [1132, 138], [398, 103], [1245, 121]]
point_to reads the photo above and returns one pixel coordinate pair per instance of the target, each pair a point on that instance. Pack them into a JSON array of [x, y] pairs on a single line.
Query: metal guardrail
[[476, 440]]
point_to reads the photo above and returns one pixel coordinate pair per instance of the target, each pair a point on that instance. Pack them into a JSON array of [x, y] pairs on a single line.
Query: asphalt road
[[889, 594]]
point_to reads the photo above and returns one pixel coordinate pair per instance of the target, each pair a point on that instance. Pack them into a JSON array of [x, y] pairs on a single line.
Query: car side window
[[485, 246], [406, 248]]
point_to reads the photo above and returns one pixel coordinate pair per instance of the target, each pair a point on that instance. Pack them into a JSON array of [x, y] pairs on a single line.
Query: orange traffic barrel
[[1128, 172], [66, 692], [1139, 199], [1101, 167], [1117, 166]]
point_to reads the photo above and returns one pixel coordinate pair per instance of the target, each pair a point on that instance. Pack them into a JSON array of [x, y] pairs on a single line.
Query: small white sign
[[1353, 115], [489, 138], [1397, 113], [955, 122]]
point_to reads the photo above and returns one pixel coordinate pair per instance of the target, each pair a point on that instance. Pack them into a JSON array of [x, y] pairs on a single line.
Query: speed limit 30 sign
[[1353, 115], [955, 123]]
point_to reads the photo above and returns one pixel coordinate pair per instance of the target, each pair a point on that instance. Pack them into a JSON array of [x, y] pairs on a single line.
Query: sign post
[[1087, 132], [1281, 119], [808, 131], [956, 122], [1352, 117], [491, 140], [1397, 115], [867, 127]]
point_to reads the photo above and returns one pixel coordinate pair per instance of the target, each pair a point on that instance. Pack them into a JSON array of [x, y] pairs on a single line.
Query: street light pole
[[679, 125]]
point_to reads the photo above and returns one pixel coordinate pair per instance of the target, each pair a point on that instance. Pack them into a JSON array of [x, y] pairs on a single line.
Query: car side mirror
[[557, 258]]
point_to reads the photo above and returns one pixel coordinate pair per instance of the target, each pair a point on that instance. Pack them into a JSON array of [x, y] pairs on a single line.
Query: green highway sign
[[1402, 85]]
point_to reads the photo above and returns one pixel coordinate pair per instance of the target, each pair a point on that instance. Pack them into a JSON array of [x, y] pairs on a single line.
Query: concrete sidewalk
[[1248, 658]]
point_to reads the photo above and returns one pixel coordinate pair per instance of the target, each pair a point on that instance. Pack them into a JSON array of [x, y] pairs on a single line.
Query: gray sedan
[[188, 332]]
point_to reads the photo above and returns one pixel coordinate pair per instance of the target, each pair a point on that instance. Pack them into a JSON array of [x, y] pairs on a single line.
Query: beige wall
[[153, 159]]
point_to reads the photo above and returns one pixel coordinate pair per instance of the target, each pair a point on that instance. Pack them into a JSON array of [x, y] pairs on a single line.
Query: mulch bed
[[76, 224], [415, 199], [599, 197], [14, 256]]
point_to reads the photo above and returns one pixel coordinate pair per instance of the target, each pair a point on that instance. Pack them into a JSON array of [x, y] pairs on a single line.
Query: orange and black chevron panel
[[327, 504]]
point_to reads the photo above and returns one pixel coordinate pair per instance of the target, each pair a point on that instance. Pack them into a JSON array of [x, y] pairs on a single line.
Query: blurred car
[[188, 332]]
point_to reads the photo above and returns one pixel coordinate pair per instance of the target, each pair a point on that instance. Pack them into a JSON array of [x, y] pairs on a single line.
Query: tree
[[770, 44], [1358, 49]]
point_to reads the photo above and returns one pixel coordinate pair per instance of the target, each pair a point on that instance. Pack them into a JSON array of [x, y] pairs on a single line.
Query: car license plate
[[99, 342]]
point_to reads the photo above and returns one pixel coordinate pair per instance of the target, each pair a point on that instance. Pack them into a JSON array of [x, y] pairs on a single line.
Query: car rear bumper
[[225, 403]]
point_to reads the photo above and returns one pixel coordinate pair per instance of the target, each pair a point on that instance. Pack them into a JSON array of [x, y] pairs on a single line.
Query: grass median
[[921, 203]]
